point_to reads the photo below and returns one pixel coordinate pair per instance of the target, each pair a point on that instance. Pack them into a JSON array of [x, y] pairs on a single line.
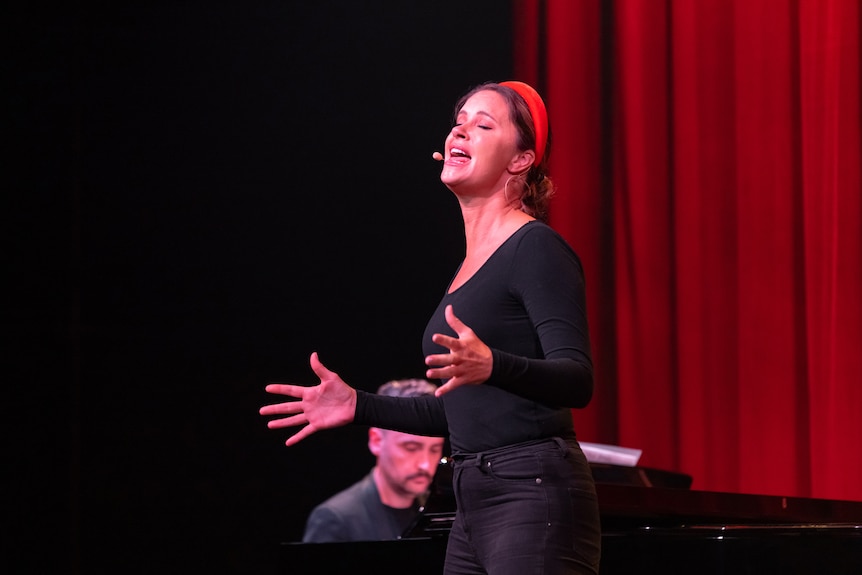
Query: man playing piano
[[382, 504]]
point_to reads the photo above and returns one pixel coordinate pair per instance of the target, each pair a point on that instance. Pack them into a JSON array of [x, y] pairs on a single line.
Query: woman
[[509, 340]]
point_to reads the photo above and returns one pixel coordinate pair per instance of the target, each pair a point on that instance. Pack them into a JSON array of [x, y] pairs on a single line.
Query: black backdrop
[[198, 195]]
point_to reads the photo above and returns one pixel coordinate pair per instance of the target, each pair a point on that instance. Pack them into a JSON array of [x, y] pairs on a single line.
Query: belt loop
[[471, 460], [564, 447]]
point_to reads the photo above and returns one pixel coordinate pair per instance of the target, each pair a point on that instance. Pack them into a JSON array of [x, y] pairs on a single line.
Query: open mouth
[[458, 155]]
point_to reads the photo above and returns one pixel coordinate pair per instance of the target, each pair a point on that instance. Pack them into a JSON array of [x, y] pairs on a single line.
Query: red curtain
[[707, 156]]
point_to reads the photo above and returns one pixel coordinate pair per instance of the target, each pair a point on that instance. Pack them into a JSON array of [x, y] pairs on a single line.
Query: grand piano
[[652, 522]]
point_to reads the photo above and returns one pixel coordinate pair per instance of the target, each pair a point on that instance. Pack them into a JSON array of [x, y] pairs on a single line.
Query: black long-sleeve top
[[527, 303]]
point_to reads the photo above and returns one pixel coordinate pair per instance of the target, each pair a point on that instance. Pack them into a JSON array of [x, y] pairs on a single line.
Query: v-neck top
[[527, 303]]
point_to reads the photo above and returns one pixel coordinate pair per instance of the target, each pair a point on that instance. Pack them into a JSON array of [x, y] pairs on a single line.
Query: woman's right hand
[[330, 404]]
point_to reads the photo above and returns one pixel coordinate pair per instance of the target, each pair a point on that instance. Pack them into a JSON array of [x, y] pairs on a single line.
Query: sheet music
[[613, 454]]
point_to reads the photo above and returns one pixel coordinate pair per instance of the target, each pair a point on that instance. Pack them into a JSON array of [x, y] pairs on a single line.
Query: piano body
[[652, 522]]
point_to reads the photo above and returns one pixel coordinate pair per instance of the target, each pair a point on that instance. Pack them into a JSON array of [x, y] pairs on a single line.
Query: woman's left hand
[[469, 360]]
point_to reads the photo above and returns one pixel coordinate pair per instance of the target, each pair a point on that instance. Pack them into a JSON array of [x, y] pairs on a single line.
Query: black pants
[[526, 509]]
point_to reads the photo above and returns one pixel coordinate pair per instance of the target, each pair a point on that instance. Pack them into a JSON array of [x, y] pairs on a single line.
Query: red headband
[[538, 113]]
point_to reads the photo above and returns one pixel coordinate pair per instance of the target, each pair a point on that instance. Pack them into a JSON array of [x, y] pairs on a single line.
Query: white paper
[[613, 454]]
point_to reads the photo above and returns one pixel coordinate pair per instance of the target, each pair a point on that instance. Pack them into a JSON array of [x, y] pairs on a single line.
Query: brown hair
[[538, 188]]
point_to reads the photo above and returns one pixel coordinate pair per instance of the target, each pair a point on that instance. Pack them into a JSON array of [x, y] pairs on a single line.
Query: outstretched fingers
[[469, 360], [299, 435], [295, 391], [454, 322], [331, 403], [447, 387], [293, 408], [292, 421]]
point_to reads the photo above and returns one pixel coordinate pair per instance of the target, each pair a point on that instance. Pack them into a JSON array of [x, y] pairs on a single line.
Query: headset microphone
[[437, 156]]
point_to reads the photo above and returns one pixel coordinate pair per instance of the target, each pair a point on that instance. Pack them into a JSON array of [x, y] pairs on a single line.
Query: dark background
[[197, 195]]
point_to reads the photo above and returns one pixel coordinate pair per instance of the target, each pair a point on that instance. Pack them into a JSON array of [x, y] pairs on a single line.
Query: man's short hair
[[407, 388]]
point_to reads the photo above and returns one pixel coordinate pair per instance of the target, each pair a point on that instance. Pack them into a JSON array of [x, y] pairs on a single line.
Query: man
[[382, 504]]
